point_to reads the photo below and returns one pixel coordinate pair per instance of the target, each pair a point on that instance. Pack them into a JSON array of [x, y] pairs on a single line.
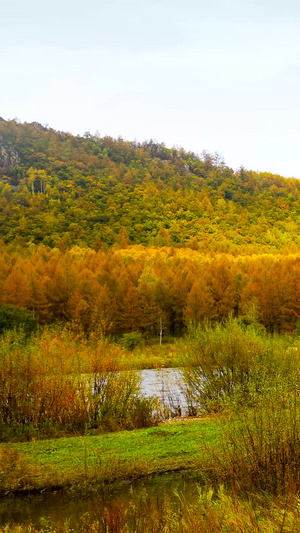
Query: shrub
[[56, 383], [132, 340], [260, 447], [12, 317], [227, 365]]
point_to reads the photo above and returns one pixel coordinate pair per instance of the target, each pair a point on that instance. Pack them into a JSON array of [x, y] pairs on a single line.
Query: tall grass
[[60, 383], [227, 365], [259, 448]]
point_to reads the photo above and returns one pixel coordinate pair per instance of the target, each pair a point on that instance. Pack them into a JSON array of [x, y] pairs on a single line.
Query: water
[[166, 384], [59, 507]]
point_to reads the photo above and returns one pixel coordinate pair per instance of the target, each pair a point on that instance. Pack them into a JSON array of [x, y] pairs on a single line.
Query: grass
[[80, 461]]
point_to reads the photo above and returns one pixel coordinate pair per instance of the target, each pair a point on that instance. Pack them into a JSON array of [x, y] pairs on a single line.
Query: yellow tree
[[16, 290], [199, 303], [222, 290]]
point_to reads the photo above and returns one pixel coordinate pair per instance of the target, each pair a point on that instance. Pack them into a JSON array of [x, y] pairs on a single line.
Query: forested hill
[[62, 191]]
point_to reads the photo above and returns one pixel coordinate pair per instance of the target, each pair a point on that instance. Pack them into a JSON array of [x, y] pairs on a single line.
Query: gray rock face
[[38, 126], [9, 157]]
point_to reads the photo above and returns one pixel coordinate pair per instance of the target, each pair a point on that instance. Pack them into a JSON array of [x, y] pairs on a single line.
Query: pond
[[166, 384]]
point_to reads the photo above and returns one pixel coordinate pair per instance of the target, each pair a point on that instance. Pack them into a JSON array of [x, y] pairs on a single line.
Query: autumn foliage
[[143, 289], [58, 383], [136, 237]]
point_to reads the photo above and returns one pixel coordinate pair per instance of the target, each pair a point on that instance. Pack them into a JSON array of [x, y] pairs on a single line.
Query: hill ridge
[[64, 190]]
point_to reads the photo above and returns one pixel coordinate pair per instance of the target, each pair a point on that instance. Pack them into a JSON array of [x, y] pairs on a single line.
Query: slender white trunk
[[160, 331]]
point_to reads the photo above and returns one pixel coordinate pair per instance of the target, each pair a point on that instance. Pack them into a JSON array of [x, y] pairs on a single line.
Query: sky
[[215, 75]]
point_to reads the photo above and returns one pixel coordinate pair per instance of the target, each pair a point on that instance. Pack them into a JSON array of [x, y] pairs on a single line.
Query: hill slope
[[62, 190]]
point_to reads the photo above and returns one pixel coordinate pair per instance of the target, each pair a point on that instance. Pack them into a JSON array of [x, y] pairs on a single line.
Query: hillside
[[62, 190]]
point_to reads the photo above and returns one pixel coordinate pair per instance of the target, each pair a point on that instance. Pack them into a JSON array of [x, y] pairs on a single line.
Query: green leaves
[[11, 317]]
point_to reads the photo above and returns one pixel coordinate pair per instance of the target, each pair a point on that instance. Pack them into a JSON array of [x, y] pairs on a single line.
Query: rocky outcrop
[[38, 126], [9, 157]]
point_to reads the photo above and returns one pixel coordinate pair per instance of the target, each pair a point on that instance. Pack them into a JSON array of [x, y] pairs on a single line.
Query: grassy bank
[[80, 462]]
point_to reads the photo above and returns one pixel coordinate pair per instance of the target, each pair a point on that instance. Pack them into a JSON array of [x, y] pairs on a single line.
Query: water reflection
[[59, 507]]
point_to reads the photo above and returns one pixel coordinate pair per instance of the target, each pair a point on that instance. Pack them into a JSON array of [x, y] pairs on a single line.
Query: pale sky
[[221, 76]]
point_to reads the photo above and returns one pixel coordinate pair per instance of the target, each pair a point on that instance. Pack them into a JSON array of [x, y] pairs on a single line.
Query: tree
[[12, 317], [222, 290], [199, 303]]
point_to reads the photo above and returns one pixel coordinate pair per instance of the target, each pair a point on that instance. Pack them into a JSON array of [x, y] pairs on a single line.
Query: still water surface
[[57, 508], [166, 384]]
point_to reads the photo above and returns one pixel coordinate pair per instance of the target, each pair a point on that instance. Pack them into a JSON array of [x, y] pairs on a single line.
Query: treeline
[[62, 190], [148, 289]]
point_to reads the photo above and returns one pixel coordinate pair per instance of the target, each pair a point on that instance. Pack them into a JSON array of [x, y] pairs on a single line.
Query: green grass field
[[78, 461]]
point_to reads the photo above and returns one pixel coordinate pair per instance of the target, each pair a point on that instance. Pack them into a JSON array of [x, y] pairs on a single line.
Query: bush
[[260, 447], [227, 365], [132, 340], [117, 403], [56, 383]]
